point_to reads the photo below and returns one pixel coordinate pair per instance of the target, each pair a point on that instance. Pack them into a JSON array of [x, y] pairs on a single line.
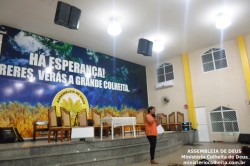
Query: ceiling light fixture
[[222, 21], [158, 46], [114, 27]]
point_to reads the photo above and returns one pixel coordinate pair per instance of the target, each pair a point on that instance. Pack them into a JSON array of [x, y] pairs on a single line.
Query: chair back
[[180, 117], [164, 119], [96, 117], [124, 114], [108, 113], [82, 118], [65, 115], [52, 117], [140, 117], [171, 117]]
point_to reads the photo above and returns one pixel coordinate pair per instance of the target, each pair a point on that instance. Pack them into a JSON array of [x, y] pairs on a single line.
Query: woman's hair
[[150, 108]]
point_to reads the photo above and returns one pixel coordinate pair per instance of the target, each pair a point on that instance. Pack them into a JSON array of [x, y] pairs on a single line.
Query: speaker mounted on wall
[[62, 13], [74, 18], [145, 47], [67, 15]]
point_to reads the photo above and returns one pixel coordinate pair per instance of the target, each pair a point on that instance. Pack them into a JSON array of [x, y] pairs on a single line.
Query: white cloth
[[160, 129], [120, 121]]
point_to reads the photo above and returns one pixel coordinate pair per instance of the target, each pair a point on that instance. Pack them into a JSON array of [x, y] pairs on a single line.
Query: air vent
[[165, 84]]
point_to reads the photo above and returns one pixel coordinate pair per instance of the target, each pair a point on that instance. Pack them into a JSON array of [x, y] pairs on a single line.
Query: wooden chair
[[180, 119], [96, 122], [126, 114], [140, 125], [109, 113], [171, 120], [82, 118], [66, 122], [164, 121], [53, 127]]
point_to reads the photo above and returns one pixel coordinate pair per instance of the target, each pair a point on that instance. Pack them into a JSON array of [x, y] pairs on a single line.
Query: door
[[202, 126]]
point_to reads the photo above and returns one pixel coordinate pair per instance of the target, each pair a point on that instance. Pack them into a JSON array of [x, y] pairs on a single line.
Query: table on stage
[[119, 121]]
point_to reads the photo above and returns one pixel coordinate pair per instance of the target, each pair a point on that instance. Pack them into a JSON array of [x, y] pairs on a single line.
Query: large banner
[[37, 72]]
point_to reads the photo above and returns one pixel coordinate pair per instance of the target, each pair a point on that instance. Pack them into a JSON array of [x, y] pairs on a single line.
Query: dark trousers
[[152, 141]]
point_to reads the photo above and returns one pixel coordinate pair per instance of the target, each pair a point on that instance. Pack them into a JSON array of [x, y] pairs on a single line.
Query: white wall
[[225, 87], [176, 94]]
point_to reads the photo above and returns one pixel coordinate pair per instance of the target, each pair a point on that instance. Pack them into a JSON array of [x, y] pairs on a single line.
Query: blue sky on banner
[[34, 68]]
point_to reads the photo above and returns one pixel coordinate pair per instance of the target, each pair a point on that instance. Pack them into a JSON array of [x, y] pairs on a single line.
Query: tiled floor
[[202, 150]]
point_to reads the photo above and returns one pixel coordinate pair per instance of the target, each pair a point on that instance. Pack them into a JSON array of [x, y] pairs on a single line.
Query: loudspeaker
[[62, 13], [244, 138], [7, 135], [145, 47], [186, 126], [67, 15], [74, 18]]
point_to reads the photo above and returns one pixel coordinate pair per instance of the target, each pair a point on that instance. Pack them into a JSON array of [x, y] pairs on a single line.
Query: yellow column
[[189, 91], [245, 62]]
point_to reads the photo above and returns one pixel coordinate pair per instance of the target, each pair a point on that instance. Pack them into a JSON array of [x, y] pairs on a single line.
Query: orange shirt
[[150, 126]]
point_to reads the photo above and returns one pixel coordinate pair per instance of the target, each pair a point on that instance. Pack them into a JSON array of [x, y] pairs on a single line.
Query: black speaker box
[[62, 13], [145, 47], [67, 15], [7, 135], [186, 126], [244, 138], [74, 18]]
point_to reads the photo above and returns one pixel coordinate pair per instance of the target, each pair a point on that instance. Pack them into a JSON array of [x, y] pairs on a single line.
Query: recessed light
[[222, 21], [158, 46], [114, 27]]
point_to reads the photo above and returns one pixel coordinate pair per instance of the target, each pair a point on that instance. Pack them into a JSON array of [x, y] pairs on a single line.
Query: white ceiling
[[185, 25]]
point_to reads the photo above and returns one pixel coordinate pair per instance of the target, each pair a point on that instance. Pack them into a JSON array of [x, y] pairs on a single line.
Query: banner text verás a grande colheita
[[61, 71]]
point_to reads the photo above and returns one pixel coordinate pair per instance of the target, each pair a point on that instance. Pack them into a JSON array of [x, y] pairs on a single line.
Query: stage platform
[[90, 152]]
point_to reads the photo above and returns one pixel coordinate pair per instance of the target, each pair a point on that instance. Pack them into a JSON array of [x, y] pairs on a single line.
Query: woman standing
[[151, 132]]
